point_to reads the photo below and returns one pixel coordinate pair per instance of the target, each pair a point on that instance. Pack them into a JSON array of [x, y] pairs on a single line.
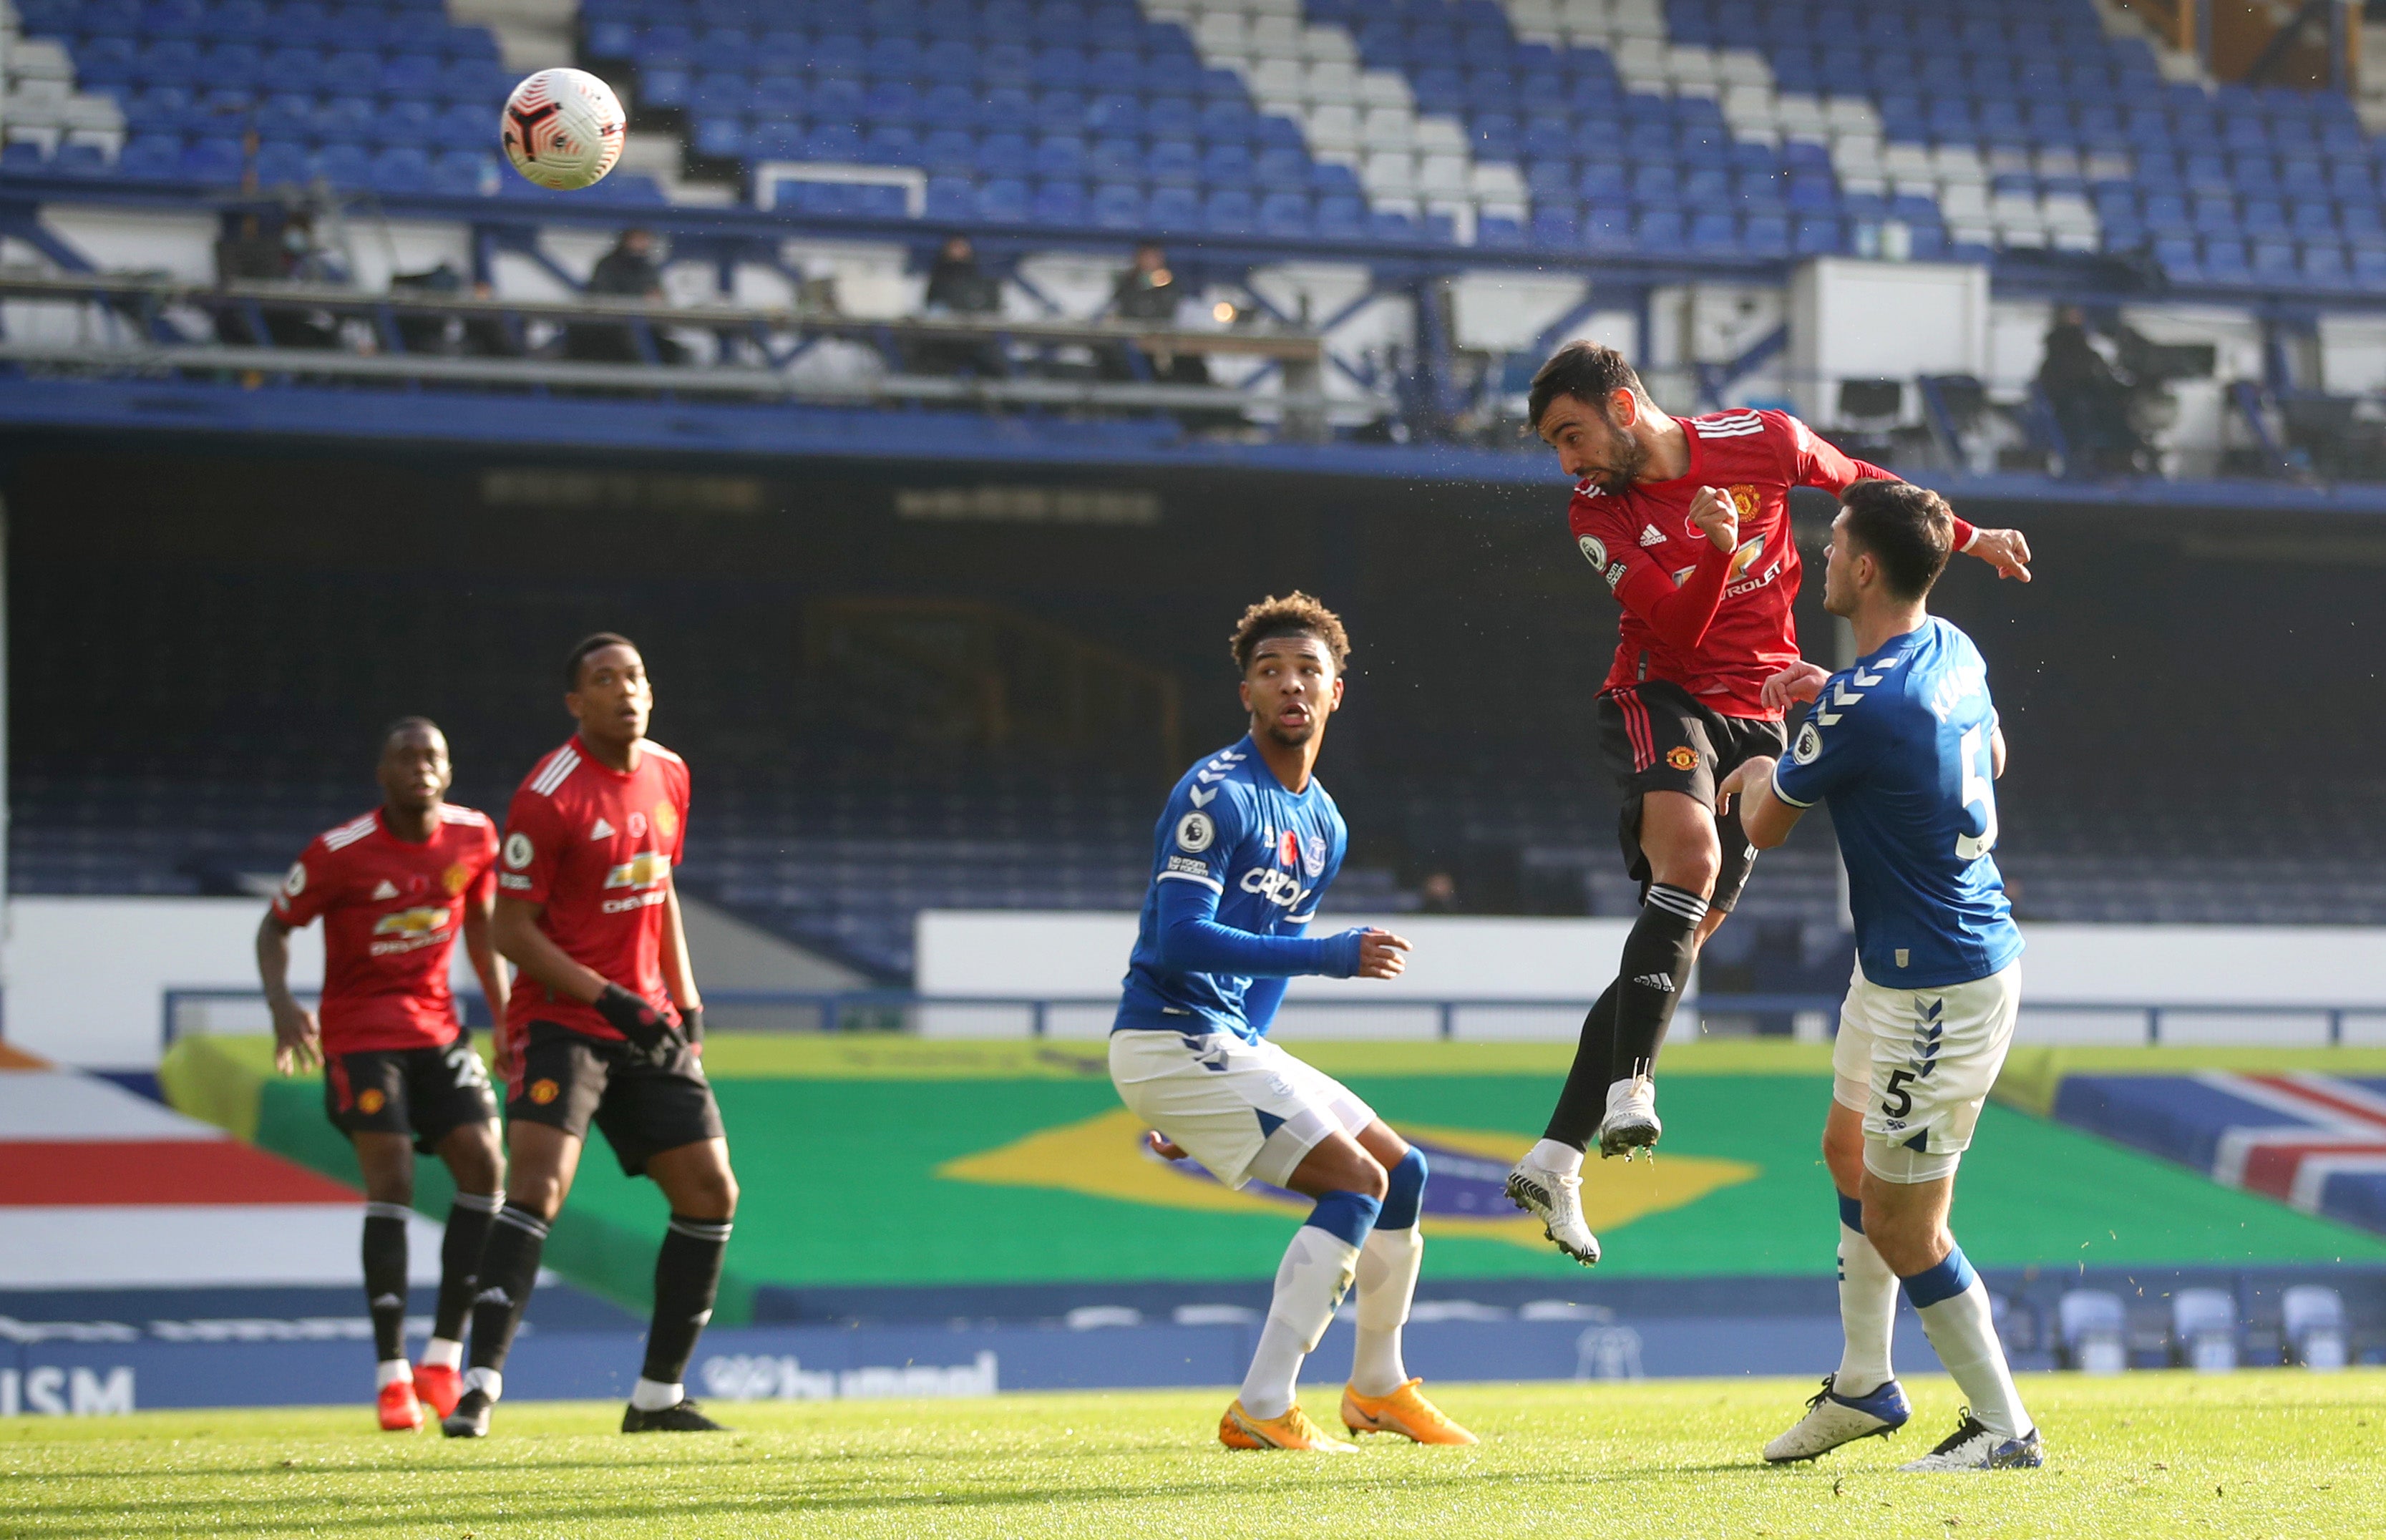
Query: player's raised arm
[[1817, 462]]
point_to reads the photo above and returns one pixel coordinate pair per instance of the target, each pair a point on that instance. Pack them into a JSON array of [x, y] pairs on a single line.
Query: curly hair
[[1296, 614]]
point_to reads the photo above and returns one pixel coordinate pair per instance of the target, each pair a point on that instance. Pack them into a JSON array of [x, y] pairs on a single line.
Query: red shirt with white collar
[[391, 910], [596, 847], [1717, 623]]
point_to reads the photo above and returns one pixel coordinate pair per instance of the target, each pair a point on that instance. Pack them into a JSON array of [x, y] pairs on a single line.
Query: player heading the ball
[[393, 888], [1248, 843], [1905, 746], [1687, 523]]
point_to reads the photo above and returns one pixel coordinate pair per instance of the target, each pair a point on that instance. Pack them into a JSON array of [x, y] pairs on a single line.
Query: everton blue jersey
[[1268, 854], [1900, 745]]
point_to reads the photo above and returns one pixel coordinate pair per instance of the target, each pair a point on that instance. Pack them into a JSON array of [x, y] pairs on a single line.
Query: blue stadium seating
[[1066, 115]]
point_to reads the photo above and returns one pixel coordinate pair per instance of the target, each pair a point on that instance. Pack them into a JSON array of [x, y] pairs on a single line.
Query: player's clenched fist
[[1713, 511]]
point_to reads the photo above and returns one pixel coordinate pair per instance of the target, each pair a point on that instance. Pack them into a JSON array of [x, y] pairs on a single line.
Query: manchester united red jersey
[[391, 910], [1647, 550], [597, 847]]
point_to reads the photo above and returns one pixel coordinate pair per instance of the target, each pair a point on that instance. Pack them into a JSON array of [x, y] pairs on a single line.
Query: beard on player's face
[[1621, 459]]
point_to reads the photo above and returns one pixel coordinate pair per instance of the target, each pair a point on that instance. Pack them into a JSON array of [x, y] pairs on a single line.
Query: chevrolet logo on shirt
[[642, 871], [412, 922]]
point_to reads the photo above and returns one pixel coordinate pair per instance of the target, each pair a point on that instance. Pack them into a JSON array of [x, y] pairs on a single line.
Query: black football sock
[[1584, 1101], [385, 1277], [460, 1261], [1657, 959], [508, 1271], [687, 1276]]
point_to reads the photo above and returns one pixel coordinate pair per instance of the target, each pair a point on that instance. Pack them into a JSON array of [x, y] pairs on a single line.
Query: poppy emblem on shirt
[[1288, 849], [637, 822], [1682, 756]]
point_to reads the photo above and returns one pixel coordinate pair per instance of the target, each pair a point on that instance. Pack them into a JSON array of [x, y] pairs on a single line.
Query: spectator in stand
[[482, 336], [250, 252], [1148, 291], [958, 286], [2091, 401], [960, 289], [628, 272]]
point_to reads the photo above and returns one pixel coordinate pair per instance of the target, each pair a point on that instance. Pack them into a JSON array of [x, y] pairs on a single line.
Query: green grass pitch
[[2147, 1454]]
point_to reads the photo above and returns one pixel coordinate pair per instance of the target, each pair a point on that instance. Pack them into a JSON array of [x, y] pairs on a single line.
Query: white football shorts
[[1242, 1109], [1918, 1064]]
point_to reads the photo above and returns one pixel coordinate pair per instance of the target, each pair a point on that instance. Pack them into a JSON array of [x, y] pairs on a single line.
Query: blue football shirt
[[1900, 745], [1268, 854]]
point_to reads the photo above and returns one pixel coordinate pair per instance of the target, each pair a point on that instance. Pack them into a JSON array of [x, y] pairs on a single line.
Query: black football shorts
[[429, 1092], [1656, 738], [643, 1103]]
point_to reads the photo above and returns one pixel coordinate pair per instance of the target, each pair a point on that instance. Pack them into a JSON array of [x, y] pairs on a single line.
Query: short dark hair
[[1590, 372], [595, 643], [1909, 530], [1296, 614], [406, 724]]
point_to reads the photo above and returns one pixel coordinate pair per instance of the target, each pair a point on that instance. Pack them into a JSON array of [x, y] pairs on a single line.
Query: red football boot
[[400, 1412], [439, 1387]]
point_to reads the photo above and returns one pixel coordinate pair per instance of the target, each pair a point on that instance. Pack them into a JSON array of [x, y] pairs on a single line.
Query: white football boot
[[1631, 1122], [1555, 1199], [1832, 1419], [1973, 1448]]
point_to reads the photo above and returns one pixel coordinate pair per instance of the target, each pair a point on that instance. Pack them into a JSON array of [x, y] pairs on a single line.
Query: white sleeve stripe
[[1785, 796], [1211, 883], [1300, 918]]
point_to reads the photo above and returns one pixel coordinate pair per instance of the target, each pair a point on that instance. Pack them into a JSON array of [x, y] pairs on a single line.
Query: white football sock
[[1964, 1334], [489, 1382], [1867, 1316], [440, 1353], [1387, 1276], [390, 1372], [1309, 1285], [648, 1396], [1551, 1156]]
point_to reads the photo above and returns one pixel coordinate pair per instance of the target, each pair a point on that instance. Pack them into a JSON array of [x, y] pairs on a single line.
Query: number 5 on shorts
[[1899, 1103]]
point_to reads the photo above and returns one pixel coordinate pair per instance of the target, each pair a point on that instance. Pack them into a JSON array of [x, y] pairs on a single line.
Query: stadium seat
[[2312, 1325], [1118, 206], [401, 168], [2203, 1329], [2093, 1332]]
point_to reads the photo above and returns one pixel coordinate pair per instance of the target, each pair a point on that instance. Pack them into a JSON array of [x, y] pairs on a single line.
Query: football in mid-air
[[563, 128]]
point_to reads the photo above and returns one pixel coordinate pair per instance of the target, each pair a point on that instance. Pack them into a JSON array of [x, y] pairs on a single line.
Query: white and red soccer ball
[[563, 128]]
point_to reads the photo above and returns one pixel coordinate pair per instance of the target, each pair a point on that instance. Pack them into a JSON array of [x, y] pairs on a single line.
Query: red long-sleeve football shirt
[[1717, 623]]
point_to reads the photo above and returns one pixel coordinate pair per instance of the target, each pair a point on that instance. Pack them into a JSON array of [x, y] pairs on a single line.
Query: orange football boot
[[1239, 1430], [400, 1411], [1405, 1411]]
